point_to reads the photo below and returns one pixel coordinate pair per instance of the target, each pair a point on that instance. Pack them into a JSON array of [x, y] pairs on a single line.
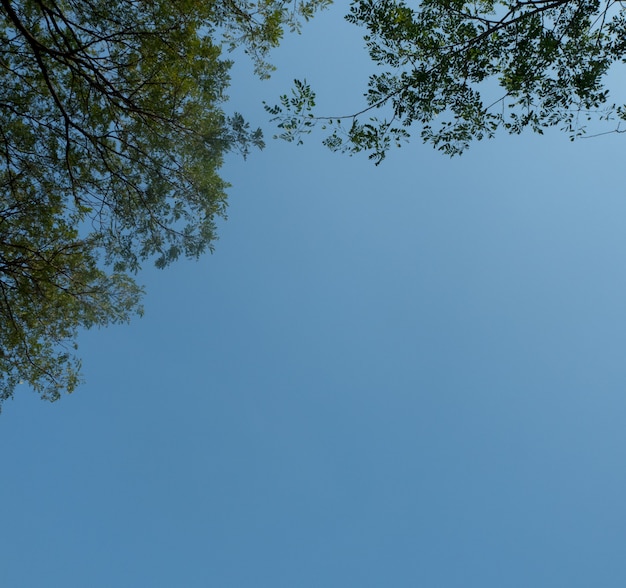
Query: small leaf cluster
[[259, 26], [294, 115]]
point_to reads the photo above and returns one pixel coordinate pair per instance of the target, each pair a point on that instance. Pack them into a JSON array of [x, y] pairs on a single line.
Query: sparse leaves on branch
[[260, 26]]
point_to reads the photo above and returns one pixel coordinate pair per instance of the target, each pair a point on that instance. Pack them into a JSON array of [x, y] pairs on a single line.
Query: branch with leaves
[[460, 70]]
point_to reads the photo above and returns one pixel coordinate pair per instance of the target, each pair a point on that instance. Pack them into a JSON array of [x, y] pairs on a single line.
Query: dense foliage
[[112, 134]]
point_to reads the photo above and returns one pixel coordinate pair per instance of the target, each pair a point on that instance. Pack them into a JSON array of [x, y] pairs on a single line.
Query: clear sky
[[409, 375]]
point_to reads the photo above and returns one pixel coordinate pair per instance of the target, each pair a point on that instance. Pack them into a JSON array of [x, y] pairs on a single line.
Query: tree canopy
[[112, 133], [459, 70]]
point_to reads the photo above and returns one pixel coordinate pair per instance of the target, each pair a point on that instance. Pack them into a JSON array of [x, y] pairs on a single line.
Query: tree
[[462, 69], [112, 134]]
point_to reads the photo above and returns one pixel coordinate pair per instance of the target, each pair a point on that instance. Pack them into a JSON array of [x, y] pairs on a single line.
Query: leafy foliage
[[50, 283], [461, 69], [112, 134]]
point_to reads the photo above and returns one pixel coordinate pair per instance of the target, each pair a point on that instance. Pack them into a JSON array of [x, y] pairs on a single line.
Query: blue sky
[[405, 375]]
